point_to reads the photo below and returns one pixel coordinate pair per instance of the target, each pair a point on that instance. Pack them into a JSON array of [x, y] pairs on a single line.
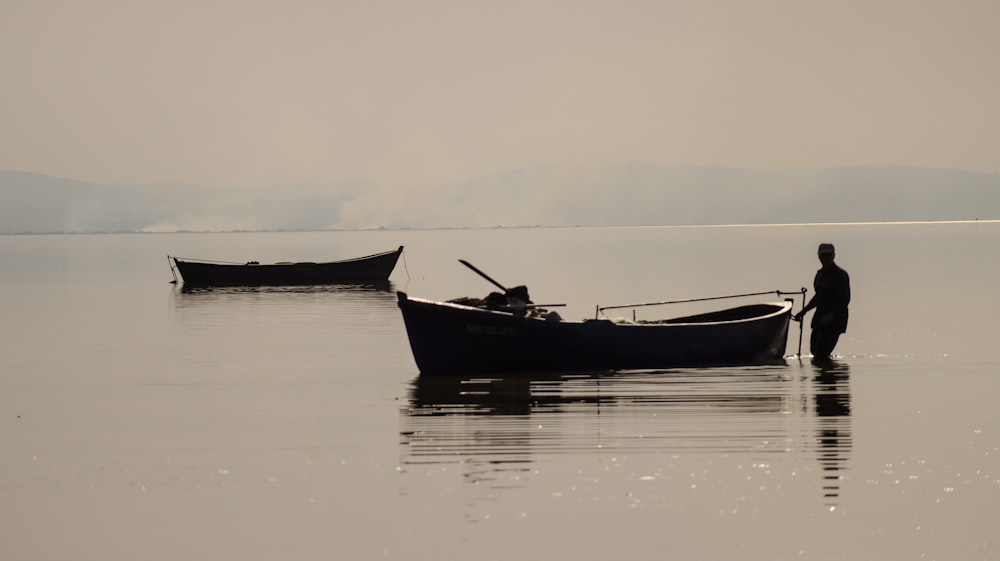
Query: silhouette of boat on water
[[370, 268], [506, 332], [453, 338]]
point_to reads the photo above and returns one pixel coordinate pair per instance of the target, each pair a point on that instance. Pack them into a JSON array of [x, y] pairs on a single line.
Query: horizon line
[[500, 227]]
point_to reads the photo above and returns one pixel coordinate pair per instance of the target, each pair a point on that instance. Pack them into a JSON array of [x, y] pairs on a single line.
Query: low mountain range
[[627, 194]]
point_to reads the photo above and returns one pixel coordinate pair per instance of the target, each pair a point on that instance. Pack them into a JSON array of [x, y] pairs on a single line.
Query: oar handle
[[482, 274]]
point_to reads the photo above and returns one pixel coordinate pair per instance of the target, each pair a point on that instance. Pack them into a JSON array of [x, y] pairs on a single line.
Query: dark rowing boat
[[370, 268], [452, 338]]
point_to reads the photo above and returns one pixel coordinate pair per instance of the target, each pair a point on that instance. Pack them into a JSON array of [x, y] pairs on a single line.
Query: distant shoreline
[[627, 194]]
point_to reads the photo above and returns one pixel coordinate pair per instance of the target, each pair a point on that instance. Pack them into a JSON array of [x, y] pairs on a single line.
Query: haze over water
[[140, 421]]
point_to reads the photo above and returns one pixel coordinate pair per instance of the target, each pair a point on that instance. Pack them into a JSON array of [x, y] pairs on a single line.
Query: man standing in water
[[833, 294]]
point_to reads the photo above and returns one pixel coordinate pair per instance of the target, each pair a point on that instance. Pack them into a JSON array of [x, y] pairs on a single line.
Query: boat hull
[[371, 268], [453, 339]]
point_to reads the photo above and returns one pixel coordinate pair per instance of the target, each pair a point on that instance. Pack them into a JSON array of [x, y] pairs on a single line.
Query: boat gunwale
[[284, 263], [782, 308]]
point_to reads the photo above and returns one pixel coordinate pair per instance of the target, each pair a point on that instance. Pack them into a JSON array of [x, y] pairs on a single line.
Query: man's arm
[[809, 305]]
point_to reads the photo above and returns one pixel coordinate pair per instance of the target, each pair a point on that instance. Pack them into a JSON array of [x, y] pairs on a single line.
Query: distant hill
[[34, 203], [645, 194], [633, 193]]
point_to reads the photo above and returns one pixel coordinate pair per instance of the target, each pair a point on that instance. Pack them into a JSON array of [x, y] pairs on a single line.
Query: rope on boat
[[405, 267], [779, 293], [173, 269], [800, 292]]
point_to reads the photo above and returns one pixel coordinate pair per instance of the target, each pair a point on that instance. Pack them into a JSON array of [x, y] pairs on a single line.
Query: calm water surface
[[141, 421]]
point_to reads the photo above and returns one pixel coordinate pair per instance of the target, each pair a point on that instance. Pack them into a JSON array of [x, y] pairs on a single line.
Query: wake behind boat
[[506, 334], [370, 268]]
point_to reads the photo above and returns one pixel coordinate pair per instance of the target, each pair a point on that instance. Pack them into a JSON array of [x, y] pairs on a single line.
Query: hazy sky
[[403, 93]]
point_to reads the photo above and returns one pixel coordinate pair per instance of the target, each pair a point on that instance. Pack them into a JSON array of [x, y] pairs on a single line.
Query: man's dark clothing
[[833, 293], [822, 343]]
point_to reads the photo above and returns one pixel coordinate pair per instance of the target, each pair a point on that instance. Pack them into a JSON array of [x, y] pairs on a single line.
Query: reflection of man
[[831, 388], [833, 293]]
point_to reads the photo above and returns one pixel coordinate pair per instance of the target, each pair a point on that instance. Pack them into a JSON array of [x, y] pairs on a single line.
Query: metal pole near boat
[[792, 301], [801, 327], [802, 292]]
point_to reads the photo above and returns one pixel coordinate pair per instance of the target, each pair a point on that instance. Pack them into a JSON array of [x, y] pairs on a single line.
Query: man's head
[[826, 253]]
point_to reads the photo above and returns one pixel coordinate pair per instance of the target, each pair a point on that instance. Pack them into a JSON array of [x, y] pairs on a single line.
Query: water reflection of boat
[[282, 299], [385, 286], [511, 417], [497, 428], [199, 272], [516, 394], [456, 395]]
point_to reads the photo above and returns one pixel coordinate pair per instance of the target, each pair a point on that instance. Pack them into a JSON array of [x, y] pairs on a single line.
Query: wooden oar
[[484, 275], [505, 291]]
